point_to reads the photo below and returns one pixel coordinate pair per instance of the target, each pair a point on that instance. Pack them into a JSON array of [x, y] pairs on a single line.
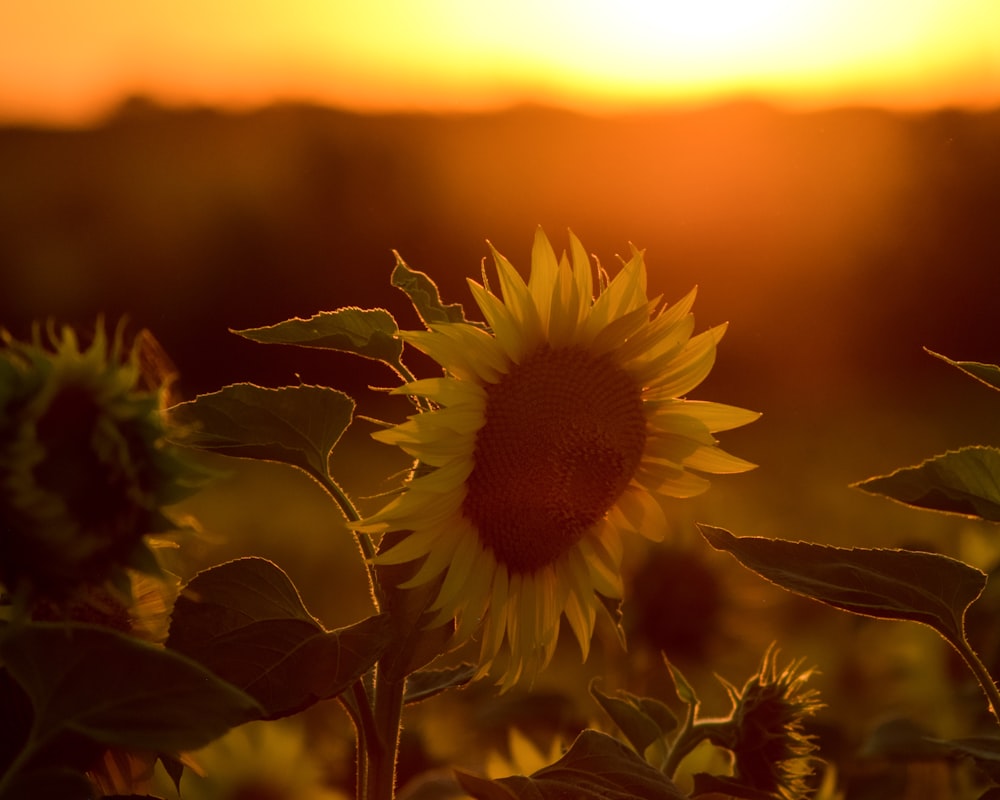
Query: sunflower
[[525, 756], [550, 433], [85, 465], [774, 756], [265, 760]]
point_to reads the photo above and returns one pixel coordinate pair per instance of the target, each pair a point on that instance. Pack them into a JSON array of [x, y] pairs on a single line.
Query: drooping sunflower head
[[85, 467], [554, 427], [773, 755]]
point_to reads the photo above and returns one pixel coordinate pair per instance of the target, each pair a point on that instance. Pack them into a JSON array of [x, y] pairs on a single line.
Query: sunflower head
[[85, 467], [772, 753], [269, 760], [142, 610], [554, 427]]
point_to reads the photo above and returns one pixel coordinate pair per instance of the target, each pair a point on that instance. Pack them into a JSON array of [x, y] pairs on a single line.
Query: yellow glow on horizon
[[63, 58], [647, 51]]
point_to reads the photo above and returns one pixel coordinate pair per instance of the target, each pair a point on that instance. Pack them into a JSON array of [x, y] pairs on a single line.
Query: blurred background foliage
[[837, 243]]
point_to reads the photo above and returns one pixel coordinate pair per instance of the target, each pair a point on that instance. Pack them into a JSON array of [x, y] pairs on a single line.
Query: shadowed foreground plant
[[771, 751], [908, 585], [554, 426], [85, 467], [89, 697], [771, 754]]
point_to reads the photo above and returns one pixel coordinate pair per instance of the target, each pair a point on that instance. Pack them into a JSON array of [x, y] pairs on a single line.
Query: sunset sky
[[67, 61]]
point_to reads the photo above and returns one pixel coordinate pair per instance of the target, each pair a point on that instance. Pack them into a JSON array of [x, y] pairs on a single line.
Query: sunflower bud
[[85, 467], [773, 755]]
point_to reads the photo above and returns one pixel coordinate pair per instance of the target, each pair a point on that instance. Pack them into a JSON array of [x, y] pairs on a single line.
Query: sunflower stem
[[981, 672], [340, 497], [687, 739], [351, 514], [384, 750], [358, 707]]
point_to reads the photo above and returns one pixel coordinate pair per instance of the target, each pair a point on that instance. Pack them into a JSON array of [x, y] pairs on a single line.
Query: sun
[[720, 31], [680, 47], [453, 54]]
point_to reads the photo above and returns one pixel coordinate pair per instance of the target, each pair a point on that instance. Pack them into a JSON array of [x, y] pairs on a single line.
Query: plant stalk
[[358, 707], [982, 674], [383, 755], [351, 514]]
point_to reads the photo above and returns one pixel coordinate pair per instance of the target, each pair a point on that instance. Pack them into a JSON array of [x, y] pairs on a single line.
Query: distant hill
[[837, 243]]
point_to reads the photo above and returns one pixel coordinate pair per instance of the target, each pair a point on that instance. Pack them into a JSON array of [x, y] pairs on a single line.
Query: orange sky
[[69, 61]]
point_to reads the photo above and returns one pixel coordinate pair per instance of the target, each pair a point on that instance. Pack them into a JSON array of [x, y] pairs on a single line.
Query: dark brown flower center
[[564, 433]]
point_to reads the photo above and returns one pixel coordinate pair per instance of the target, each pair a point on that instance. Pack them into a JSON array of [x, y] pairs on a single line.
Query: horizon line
[[136, 104]]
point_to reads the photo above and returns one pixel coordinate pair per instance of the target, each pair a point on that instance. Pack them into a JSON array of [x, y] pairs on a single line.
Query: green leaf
[[664, 718], [985, 373], [884, 583], [236, 593], [684, 690], [118, 690], [432, 785], [367, 332], [288, 668], [596, 767], [423, 293], [297, 425], [629, 713], [486, 789], [965, 481], [427, 683], [245, 621]]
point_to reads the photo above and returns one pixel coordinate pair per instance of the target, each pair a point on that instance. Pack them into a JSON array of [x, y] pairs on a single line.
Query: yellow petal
[[582, 270], [519, 302], [713, 459], [644, 514], [505, 328], [542, 281], [714, 416], [690, 367]]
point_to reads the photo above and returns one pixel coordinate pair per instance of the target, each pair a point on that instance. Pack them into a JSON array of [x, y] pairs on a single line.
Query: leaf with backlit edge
[[988, 374], [596, 767], [879, 582], [245, 621], [367, 332], [296, 425], [424, 295], [642, 721], [965, 481]]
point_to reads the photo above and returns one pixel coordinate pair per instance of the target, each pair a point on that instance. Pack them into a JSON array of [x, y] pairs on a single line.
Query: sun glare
[[718, 32], [655, 51], [440, 54]]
